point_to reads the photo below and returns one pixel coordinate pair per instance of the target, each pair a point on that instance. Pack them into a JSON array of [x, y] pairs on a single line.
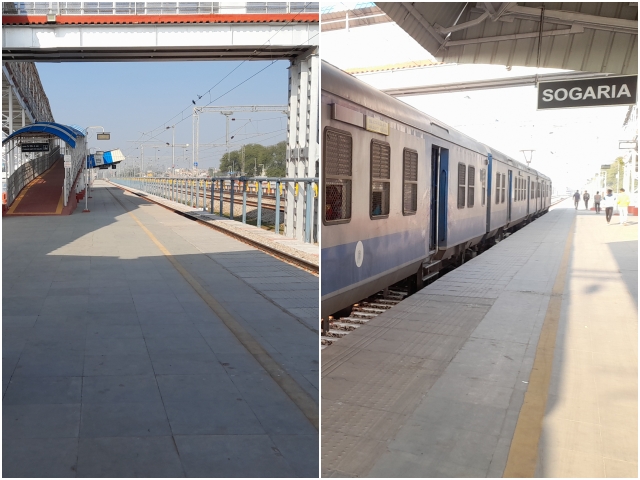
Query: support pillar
[[303, 140]]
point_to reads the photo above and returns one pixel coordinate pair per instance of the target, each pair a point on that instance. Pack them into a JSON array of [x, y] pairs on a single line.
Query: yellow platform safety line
[[60, 203], [523, 453], [294, 391]]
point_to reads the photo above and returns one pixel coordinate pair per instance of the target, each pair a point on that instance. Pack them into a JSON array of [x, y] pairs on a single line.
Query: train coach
[[405, 195]]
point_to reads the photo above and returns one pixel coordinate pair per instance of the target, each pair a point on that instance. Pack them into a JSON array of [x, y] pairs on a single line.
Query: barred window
[[520, 192], [462, 173], [504, 189], [497, 188], [531, 188], [380, 178], [471, 187], [337, 175], [483, 182], [410, 185]]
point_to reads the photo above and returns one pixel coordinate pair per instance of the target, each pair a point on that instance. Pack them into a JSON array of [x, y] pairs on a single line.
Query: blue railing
[[200, 193]]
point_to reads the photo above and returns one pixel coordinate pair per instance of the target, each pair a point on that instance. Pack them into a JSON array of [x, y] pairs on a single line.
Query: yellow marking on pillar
[[523, 454]]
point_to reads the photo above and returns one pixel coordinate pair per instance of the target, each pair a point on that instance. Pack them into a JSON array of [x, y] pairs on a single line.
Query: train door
[[433, 212], [443, 189], [528, 193], [489, 186], [439, 172], [509, 195]]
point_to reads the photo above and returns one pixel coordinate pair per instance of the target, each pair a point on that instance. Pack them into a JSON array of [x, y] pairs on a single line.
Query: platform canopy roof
[[65, 132], [599, 37]]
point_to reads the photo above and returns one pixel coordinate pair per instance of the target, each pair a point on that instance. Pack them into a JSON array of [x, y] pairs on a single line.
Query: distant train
[[404, 194]]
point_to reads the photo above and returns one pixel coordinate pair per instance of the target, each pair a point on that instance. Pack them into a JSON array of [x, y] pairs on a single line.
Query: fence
[[26, 172], [220, 195], [154, 8]]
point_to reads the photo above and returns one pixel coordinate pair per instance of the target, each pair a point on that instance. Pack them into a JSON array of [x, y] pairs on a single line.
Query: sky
[[570, 144], [135, 101]]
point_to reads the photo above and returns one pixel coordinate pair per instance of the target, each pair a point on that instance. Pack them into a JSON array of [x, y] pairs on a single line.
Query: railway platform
[[523, 362], [139, 343], [306, 253]]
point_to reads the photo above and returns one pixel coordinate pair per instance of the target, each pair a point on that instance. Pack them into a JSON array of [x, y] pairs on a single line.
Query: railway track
[[268, 202], [361, 313]]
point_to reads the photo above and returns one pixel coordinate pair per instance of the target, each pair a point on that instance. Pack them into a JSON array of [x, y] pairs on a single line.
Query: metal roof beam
[[463, 26], [570, 18], [516, 36], [418, 16], [522, 81]]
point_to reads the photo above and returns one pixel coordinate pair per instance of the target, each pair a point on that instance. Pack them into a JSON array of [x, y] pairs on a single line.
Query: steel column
[[221, 199], [277, 225], [244, 201], [259, 204], [231, 204]]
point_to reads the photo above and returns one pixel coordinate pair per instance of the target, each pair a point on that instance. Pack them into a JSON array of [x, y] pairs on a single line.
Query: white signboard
[[98, 158], [67, 161]]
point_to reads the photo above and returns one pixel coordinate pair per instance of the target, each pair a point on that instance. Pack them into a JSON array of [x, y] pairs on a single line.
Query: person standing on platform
[[586, 197], [609, 203], [597, 198], [576, 198], [623, 206]]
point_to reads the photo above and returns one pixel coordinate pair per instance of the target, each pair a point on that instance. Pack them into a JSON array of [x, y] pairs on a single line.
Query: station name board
[[593, 92], [34, 147]]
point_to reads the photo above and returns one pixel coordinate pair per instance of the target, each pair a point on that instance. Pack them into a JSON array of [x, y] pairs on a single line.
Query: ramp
[[43, 196]]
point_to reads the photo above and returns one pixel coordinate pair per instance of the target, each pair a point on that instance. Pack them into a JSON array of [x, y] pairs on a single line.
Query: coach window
[[337, 176], [521, 191], [504, 189], [497, 188], [483, 182], [410, 184], [462, 173], [380, 178], [471, 185]]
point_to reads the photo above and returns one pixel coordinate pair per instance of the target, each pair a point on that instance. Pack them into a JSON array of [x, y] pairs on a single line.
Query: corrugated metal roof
[[365, 14], [590, 37]]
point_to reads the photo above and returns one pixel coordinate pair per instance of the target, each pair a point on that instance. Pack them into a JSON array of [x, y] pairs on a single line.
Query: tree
[[273, 157], [617, 168]]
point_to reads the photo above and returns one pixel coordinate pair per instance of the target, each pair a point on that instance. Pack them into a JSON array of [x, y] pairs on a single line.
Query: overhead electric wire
[[164, 125]]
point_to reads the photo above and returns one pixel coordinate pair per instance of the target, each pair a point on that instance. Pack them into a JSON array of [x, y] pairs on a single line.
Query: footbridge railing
[[155, 8], [28, 171], [254, 200]]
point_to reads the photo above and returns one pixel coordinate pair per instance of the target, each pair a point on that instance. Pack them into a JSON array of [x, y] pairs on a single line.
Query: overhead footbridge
[[177, 31], [141, 31], [44, 162]]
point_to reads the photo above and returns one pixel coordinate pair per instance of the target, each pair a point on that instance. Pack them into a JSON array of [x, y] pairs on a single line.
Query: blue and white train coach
[[404, 194]]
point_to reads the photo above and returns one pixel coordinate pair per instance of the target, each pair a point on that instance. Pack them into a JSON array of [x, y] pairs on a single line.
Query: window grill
[[483, 182], [471, 187], [497, 188], [380, 176], [410, 185], [337, 175], [504, 188], [462, 173]]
